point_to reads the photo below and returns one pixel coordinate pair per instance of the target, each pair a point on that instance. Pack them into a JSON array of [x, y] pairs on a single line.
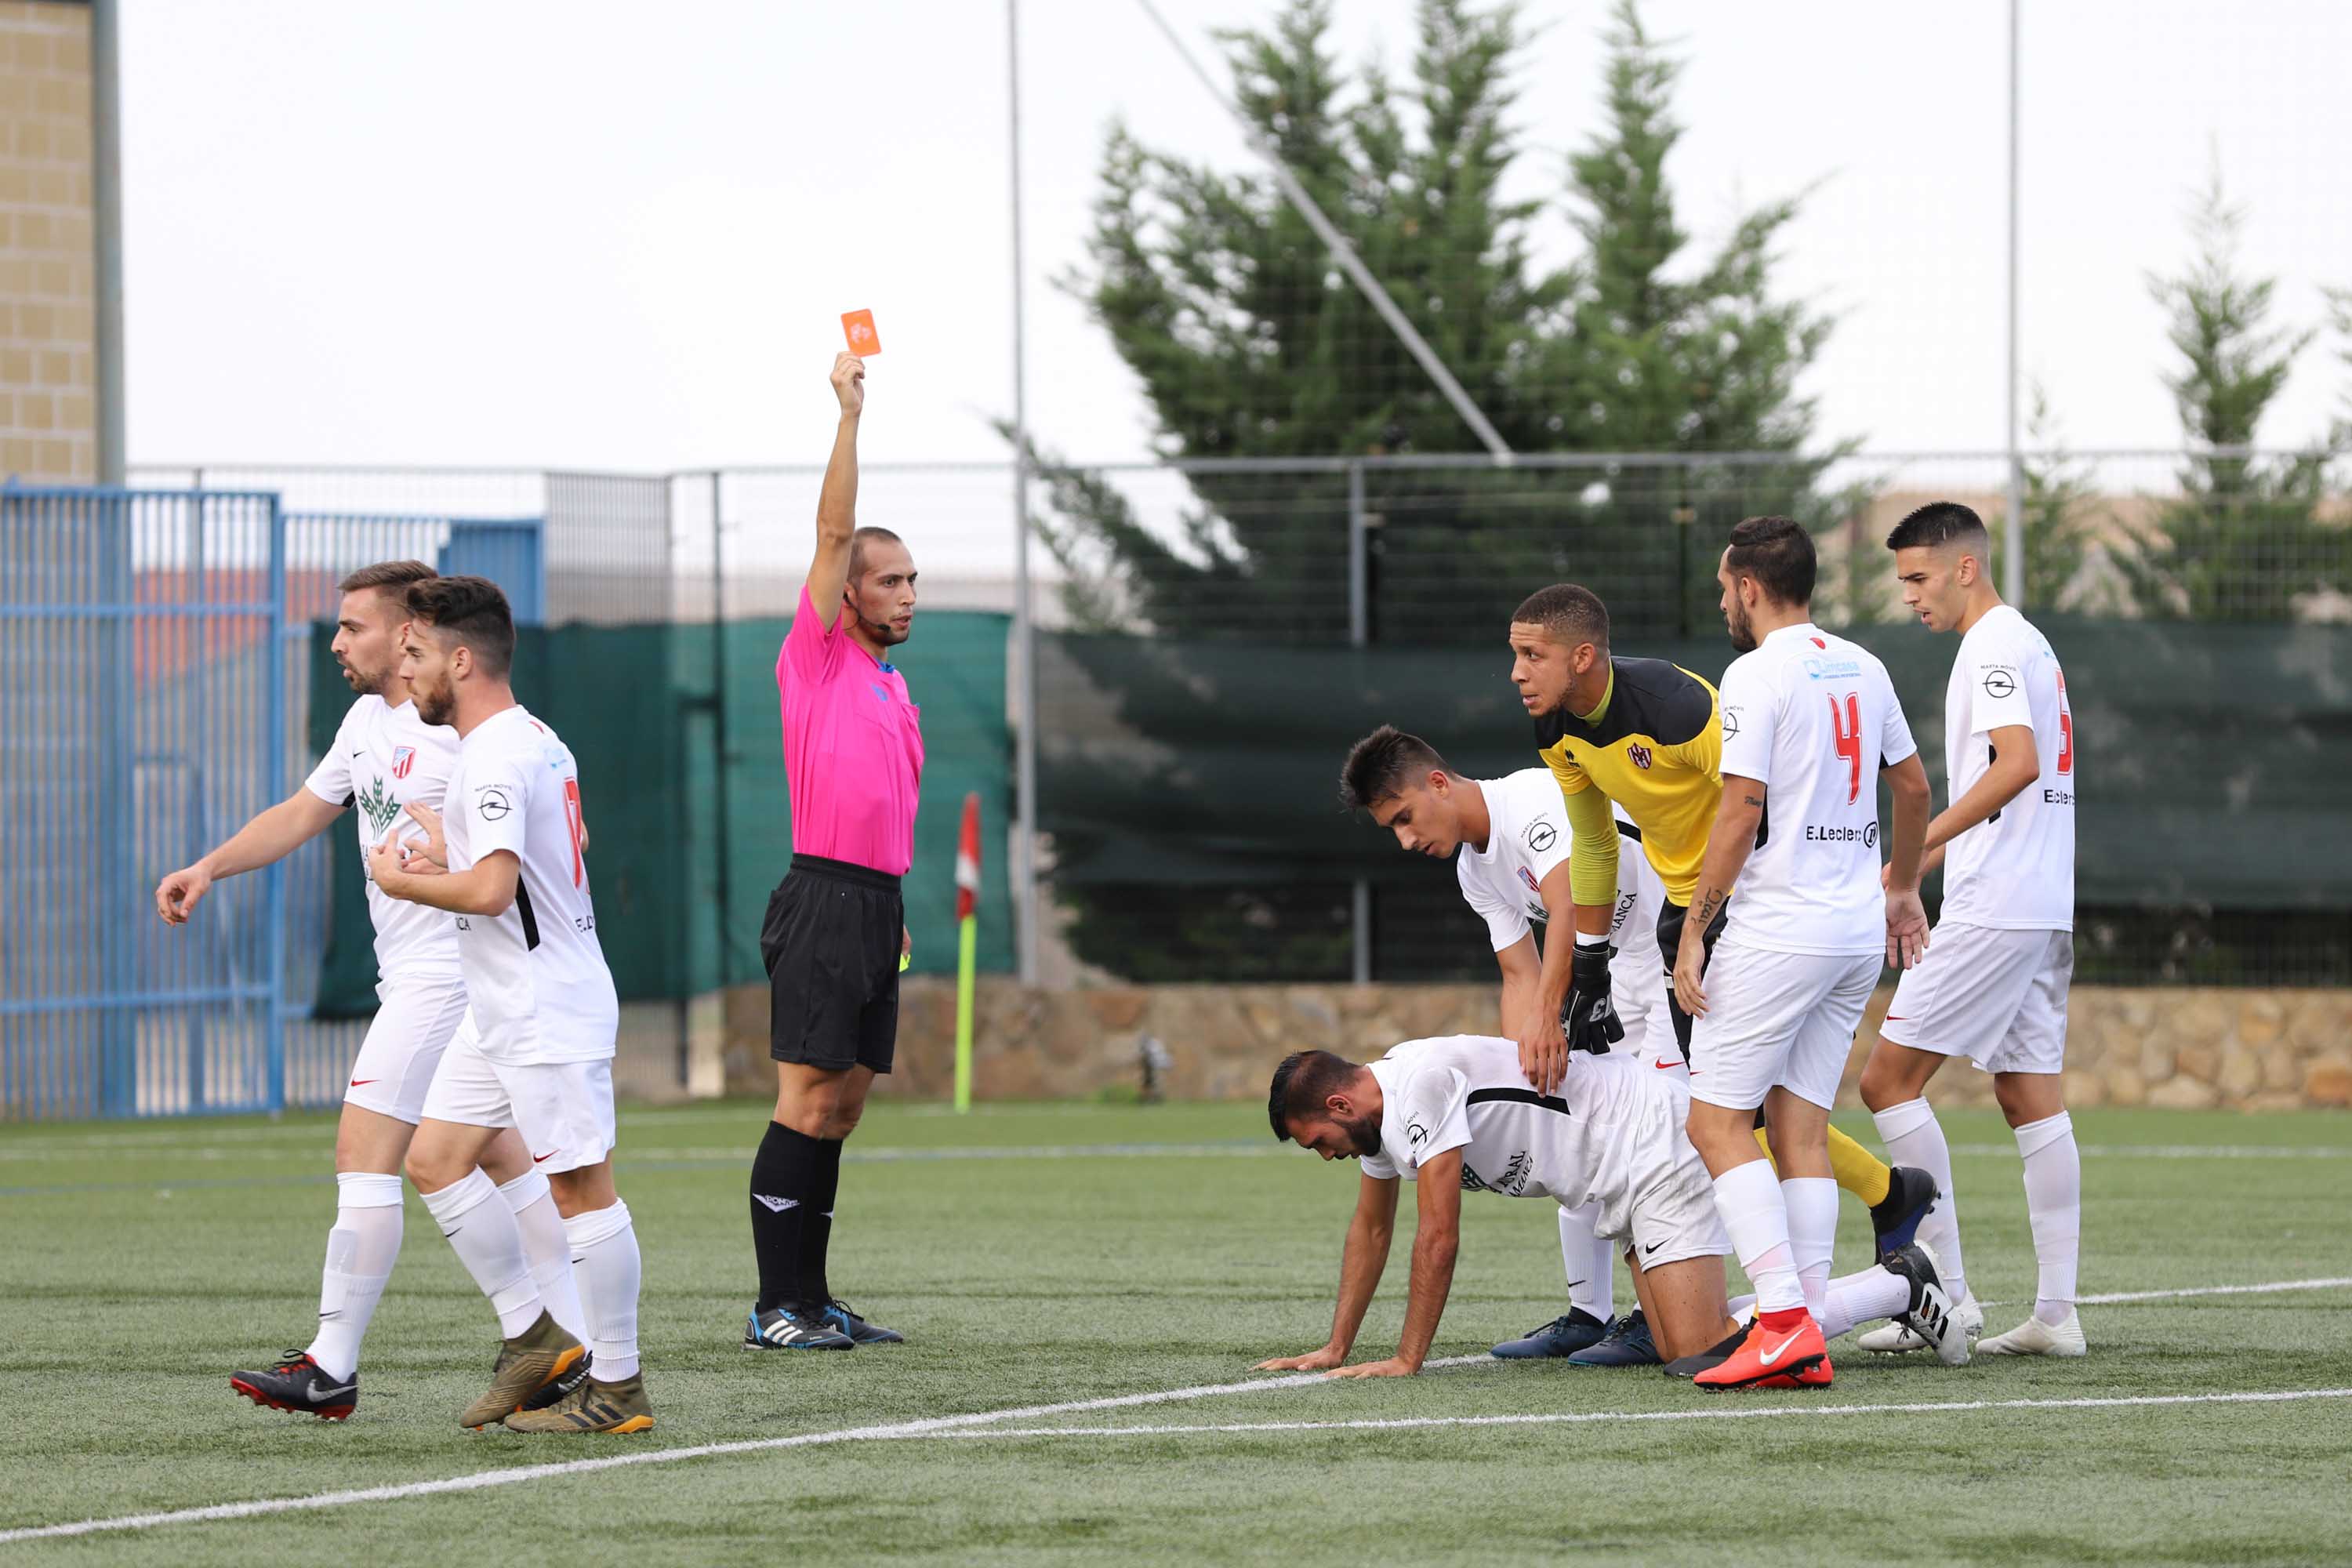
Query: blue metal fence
[[154, 686]]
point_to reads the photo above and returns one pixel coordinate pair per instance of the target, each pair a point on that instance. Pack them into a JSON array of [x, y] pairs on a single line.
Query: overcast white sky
[[616, 236]]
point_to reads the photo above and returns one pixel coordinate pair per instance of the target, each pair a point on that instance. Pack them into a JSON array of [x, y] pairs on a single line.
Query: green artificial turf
[[1051, 1254]]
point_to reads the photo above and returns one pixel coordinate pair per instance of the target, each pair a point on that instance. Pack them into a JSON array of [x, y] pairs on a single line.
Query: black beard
[[1363, 1135], [1743, 635], [433, 712]]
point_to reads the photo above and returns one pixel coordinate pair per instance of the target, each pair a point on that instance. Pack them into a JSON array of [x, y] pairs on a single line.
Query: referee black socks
[[783, 1175], [795, 1178]]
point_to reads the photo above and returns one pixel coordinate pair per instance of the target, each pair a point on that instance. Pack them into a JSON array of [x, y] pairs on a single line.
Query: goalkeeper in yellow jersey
[[1648, 736]]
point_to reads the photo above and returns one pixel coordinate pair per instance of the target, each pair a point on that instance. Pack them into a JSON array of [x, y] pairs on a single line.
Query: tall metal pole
[[106, 203], [1024, 624], [1360, 630], [2013, 565]]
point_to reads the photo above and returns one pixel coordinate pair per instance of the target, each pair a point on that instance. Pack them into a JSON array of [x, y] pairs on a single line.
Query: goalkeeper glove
[[1589, 1019]]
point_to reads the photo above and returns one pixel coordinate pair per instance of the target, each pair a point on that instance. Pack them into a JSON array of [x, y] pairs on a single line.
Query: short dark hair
[[1938, 523], [859, 539], [1381, 764], [474, 611], [1572, 615], [1302, 1082], [396, 575], [1778, 553]]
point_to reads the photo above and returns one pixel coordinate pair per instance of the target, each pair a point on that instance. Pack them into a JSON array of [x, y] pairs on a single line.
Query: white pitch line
[[922, 1428], [1581, 1417], [943, 1426]]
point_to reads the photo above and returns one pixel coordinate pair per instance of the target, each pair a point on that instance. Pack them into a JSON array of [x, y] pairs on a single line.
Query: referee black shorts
[[830, 945]]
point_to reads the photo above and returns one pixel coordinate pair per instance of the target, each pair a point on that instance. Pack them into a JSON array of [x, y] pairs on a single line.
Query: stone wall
[[2183, 1048], [49, 269]]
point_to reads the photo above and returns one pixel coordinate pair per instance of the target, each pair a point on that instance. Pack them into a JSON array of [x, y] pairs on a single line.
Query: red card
[[857, 326]]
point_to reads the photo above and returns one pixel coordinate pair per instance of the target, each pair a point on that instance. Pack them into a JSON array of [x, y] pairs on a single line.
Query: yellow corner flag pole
[[967, 876]]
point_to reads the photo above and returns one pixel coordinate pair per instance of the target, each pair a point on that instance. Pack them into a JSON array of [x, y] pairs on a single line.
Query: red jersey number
[[2066, 729], [1848, 726], [573, 820]]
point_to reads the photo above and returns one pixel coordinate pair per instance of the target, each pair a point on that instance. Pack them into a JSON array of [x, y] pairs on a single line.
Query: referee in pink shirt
[[836, 925]]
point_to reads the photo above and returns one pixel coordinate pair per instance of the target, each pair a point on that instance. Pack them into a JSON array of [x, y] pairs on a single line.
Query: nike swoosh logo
[[358, 1082], [1896, 1018], [1768, 1357], [1651, 1247], [318, 1392], [551, 1154], [1667, 1066]]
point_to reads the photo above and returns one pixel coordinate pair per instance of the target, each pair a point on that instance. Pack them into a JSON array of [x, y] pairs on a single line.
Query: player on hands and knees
[[835, 930], [1993, 985], [383, 758], [508, 859], [1644, 734], [1808, 719], [1456, 1114], [1512, 848]]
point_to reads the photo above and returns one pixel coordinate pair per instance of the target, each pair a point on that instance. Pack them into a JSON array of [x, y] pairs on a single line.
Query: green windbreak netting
[[2214, 768], [690, 821]]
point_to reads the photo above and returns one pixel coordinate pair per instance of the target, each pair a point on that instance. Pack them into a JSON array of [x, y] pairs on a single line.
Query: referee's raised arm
[[837, 502]]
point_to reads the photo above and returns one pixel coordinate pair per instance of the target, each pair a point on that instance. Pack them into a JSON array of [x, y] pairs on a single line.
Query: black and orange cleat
[[1785, 1353], [298, 1383]]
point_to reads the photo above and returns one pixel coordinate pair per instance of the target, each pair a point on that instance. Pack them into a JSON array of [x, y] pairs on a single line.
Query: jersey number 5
[[2066, 729], [1848, 726], [573, 819]]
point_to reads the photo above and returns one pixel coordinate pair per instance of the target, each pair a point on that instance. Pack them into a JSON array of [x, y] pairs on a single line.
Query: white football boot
[[2034, 1337], [1893, 1339]]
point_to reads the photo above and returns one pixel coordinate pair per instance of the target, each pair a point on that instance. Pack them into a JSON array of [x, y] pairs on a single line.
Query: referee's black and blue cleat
[[1564, 1335], [1627, 1343], [859, 1331], [1910, 1194], [782, 1329]]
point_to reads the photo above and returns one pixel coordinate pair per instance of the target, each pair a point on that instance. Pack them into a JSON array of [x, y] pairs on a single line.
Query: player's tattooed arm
[[1728, 845], [1361, 1265], [1437, 1187]]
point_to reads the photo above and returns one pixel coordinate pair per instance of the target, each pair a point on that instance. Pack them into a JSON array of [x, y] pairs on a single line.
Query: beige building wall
[[48, 356]]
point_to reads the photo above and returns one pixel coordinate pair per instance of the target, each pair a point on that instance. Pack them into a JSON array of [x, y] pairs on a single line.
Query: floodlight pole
[[106, 226], [2013, 565], [1025, 624]]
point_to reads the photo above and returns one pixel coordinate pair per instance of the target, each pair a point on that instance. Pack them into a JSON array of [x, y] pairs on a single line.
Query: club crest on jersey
[[376, 804], [403, 758], [1639, 756], [1530, 878]]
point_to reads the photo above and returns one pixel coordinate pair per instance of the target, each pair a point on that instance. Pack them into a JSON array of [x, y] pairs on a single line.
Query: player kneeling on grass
[[535, 1052], [1457, 1114]]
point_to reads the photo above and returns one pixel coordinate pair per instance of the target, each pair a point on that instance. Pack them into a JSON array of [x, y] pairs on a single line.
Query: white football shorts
[[415, 1017], [1778, 1020], [1998, 997], [563, 1110]]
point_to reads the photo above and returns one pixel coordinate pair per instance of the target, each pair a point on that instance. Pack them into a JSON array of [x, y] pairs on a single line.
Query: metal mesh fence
[[1428, 551]]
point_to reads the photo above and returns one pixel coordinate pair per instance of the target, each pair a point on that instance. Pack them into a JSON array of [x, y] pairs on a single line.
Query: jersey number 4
[[1848, 726], [2066, 729], [573, 819]]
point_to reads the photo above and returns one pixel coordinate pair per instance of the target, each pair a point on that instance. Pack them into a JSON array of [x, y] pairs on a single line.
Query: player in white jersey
[[1511, 842], [1993, 988], [1456, 1114], [384, 758], [1810, 720], [536, 1054]]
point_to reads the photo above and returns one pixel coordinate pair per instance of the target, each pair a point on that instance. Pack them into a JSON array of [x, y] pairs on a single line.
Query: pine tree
[[2244, 540]]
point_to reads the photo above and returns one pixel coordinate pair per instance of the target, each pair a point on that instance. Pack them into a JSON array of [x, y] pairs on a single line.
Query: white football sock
[[1757, 1217], [610, 1272], [490, 1244], [2053, 1203], [1591, 1262], [1857, 1299], [1913, 1137], [1812, 1206], [360, 1252], [547, 1249]]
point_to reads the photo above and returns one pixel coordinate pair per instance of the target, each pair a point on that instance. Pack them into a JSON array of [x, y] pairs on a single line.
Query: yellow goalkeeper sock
[[1857, 1170]]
